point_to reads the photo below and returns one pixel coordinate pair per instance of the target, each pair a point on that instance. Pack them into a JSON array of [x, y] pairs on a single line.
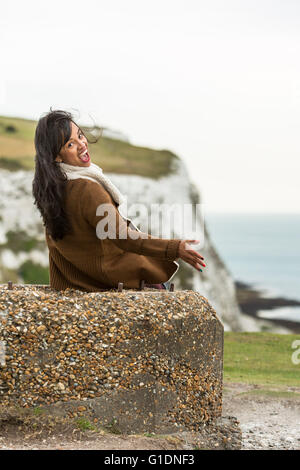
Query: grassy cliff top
[[262, 358], [17, 152]]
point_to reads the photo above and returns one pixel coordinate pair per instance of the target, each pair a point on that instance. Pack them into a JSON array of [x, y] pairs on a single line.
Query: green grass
[[85, 425], [272, 393], [19, 240], [37, 411], [23, 128], [11, 164], [149, 434], [112, 155], [260, 358], [112, 427], [33, 273]]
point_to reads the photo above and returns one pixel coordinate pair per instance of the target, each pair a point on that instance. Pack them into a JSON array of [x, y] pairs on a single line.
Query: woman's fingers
[[196, 257], [190, 248], [189, 255], [195, 261]]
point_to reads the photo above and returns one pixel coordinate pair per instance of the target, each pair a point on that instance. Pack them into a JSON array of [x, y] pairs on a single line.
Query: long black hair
[[49, 184]]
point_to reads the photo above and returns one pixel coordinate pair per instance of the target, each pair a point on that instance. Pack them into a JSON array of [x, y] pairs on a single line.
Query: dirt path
[[269, 419]]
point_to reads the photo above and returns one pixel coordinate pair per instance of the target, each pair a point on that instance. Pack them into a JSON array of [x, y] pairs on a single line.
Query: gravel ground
[[267, 421], [222, 434]]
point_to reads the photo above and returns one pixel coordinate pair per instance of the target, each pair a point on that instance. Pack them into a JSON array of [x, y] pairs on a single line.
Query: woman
[[68, 189]]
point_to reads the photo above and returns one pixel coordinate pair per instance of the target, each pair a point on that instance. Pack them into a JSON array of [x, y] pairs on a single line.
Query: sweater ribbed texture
[[83, 261]]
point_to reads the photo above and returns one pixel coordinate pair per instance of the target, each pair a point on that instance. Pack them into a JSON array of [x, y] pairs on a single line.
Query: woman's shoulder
[[84, 184], [87, 189]]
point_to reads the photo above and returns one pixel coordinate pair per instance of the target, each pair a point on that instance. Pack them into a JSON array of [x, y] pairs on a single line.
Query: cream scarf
[[93, 173]]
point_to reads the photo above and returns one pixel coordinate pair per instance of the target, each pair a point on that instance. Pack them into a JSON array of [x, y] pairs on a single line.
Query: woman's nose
[[82, 145]]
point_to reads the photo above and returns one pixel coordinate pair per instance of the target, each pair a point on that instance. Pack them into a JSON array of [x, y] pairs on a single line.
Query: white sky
[[217, 82]]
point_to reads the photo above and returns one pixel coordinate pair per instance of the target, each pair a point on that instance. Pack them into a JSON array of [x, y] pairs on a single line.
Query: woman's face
[[74, 152]]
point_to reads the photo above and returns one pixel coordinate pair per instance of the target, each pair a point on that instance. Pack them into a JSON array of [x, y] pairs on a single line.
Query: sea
[[262, 250]]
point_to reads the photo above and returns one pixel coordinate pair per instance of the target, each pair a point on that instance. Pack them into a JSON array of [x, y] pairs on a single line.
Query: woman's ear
[[58, 159]]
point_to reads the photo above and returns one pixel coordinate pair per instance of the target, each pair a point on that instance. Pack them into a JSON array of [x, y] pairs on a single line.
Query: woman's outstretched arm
[[99, 210]]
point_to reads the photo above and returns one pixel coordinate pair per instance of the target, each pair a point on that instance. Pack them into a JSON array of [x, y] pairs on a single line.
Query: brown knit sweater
[[83, 261]]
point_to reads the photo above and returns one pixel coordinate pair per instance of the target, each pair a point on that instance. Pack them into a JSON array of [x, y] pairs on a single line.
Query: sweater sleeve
[[93, 196]]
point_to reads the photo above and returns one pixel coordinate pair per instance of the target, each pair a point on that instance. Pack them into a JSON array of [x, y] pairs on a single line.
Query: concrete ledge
[[138, 360]]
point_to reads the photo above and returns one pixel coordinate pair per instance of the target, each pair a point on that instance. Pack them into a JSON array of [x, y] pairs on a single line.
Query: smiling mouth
[[85, 157]]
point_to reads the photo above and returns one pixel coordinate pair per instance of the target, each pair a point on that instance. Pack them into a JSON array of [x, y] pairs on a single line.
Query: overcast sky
[[216, 82]]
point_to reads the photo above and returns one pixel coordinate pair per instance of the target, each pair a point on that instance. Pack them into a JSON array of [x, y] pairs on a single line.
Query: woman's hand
[[190, 256]]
